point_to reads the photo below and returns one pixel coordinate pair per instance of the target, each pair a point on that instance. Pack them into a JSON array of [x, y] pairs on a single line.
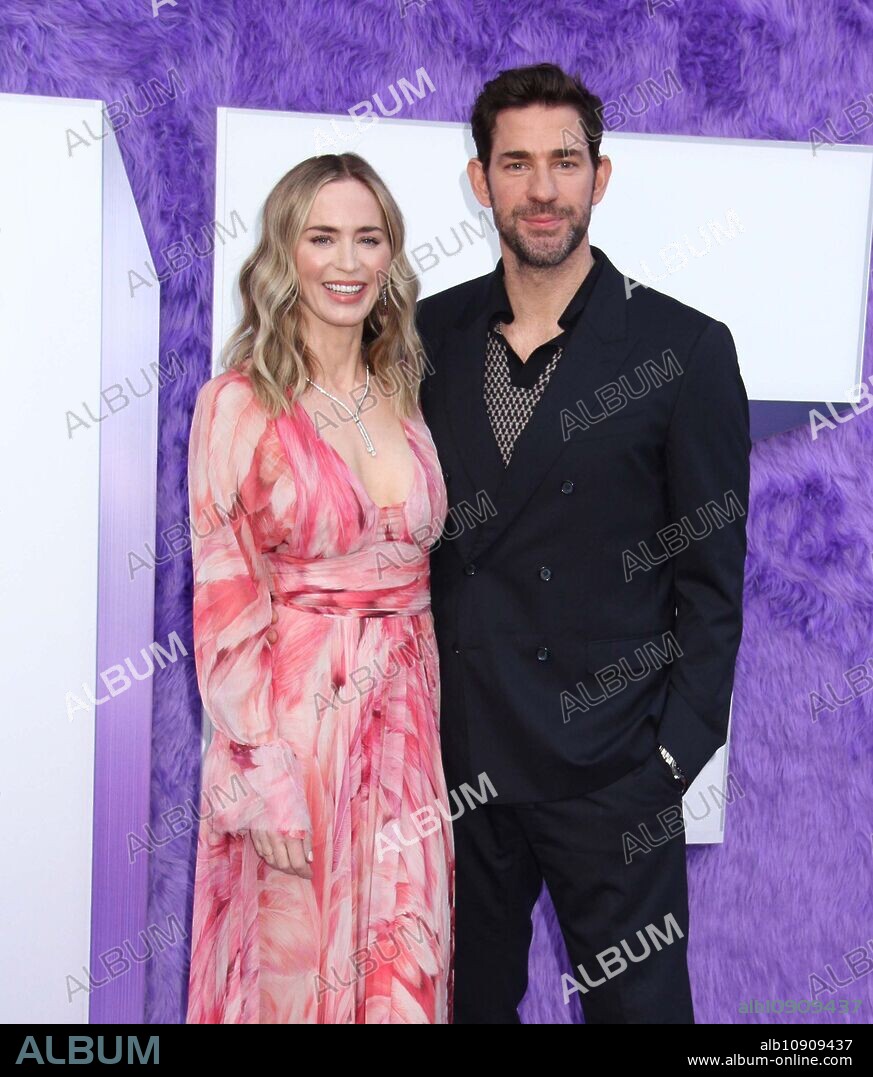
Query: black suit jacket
[[568, 650]]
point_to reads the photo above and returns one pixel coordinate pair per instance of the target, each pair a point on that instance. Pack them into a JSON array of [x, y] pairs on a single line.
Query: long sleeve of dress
[[251, 776]]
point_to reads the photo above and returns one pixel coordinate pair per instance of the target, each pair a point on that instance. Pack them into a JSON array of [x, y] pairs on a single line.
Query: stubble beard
[[541, 252]]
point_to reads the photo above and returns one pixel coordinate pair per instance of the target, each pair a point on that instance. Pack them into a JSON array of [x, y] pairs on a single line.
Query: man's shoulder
[[689, 333], [450, 302], [649, 308]]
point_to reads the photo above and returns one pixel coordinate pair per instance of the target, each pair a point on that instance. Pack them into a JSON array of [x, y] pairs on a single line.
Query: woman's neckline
[[353, 476]]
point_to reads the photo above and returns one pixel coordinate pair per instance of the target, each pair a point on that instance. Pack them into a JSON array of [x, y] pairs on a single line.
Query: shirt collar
[[500, 309]]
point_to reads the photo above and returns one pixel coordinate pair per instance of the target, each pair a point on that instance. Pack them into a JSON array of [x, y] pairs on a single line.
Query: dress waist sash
[[383, 579]]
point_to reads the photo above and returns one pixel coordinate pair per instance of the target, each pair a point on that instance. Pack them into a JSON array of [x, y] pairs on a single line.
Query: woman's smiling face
[[344, 254]]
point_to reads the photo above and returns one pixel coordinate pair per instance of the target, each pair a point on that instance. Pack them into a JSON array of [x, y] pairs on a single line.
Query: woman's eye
[[320, 240]]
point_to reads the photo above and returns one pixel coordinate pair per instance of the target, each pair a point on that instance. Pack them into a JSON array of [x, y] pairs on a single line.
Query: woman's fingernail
[[309, 856]]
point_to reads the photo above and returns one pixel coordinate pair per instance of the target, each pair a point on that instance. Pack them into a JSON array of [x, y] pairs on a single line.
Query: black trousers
[[614, 864]]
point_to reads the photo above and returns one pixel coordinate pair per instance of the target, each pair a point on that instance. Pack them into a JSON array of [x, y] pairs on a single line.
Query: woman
[[324, 876]]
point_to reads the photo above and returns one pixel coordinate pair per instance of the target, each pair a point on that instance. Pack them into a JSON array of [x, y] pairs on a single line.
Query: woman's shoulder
[[230, 416], [231, 383], [231, 393]]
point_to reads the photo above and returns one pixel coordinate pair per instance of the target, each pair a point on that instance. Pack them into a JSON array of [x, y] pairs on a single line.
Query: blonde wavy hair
[[268, 344]]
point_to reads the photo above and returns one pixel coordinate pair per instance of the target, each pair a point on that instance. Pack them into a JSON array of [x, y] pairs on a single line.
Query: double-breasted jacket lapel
[[596, 347]]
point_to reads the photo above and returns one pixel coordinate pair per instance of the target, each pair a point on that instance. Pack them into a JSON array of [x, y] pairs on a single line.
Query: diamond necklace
[[354, 415]]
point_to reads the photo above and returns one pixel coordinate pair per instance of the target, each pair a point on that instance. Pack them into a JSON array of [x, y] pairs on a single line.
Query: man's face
[[540, 183]]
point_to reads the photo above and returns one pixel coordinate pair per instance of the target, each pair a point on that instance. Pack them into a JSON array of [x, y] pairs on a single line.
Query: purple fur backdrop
[[789, 892]]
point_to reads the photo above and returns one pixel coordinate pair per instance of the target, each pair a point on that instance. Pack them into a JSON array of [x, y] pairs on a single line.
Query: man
[[588, 621]]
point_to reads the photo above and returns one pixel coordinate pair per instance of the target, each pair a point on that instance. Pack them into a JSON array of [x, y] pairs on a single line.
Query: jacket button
[[470, 570], [545, 573], [543, 653], [568, 486], [456, 648]]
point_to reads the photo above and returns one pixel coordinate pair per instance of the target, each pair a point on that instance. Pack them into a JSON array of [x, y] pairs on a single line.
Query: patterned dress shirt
[[512, 388]]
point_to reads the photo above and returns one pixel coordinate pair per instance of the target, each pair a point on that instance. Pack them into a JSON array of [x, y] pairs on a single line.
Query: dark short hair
[[538, 84]]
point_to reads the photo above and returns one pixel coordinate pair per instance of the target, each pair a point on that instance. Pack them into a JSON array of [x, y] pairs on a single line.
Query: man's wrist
[[674, 767]]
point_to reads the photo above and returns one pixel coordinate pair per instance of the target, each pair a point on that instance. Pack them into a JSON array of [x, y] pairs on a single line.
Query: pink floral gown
[[334, 726]]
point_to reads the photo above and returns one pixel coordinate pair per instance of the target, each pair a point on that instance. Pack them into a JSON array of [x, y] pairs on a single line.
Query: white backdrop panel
[[50, 322]]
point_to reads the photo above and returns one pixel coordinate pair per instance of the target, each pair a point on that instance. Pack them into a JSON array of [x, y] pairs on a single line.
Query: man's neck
[[539, 297]]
